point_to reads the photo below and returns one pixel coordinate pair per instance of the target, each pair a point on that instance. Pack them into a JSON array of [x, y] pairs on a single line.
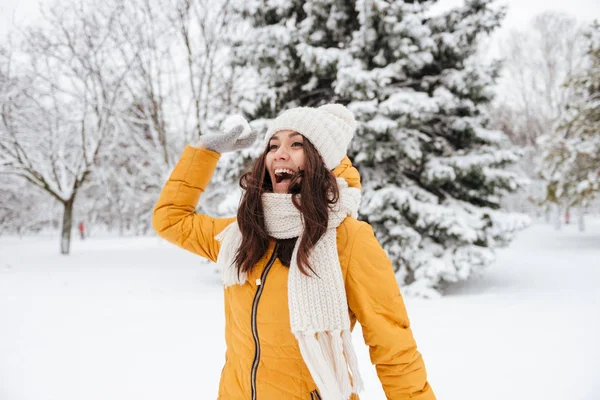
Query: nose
[[281, 153]]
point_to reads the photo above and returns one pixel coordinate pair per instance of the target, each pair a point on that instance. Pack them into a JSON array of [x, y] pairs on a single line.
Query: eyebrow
[[289, 136]]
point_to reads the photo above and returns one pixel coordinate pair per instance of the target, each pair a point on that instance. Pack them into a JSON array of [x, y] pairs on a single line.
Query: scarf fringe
[[331, 360], [357, 382]]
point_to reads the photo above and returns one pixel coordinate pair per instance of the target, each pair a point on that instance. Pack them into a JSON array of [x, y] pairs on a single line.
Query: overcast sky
[[521, 11], [519, 14]]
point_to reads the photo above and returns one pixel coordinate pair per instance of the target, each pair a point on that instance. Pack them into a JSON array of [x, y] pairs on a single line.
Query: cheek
[[300, 160], [268, 162]]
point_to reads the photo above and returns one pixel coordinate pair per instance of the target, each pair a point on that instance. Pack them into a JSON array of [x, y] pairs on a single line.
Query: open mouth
[[284, 175]]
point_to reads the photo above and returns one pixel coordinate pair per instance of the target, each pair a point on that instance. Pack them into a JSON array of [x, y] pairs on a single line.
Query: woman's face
[[284, 159]]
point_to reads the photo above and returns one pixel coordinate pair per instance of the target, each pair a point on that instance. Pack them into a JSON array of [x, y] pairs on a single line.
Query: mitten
[[236, 135]]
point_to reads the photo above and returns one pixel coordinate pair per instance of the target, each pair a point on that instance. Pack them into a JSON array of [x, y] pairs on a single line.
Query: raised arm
[[174, 216], [375, 299]]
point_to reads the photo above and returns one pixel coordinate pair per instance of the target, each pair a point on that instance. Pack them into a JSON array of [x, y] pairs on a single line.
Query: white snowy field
[[137, 318]]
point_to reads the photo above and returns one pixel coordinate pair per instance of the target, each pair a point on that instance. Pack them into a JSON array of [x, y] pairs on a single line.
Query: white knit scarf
[[318, 305]]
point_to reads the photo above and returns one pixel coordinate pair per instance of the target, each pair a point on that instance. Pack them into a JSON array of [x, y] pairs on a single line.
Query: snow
[[409, 102], [137, 318]]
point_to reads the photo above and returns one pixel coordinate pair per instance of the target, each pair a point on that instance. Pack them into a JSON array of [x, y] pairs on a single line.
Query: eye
[[272, 147], [298, 143]]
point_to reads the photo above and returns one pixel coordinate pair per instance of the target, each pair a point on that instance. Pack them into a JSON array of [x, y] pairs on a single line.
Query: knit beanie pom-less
[[329, 128]]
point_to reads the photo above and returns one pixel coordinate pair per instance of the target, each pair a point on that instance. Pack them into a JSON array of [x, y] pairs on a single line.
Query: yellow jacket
[[373, 298]]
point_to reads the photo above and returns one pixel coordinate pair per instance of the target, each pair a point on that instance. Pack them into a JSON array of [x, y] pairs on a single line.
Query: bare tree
[[182, 86], [538, 60], [202, 32], [60, 93], [181, 79], [107, 94], [571, 155], [531, 95]]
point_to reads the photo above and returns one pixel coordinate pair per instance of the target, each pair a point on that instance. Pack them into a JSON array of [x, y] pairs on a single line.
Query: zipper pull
[[258, 282]]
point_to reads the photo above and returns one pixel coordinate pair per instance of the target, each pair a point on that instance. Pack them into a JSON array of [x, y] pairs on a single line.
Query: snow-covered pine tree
[[432, 173], [571, 156]]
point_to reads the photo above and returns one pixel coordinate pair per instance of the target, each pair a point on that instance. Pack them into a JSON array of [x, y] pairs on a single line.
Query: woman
[[298, 268]]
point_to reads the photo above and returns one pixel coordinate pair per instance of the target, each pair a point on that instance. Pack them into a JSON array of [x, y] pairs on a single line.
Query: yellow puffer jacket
[[268, 365]]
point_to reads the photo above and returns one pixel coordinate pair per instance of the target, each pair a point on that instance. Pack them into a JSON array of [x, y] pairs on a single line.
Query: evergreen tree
[[432, 173], [571, 157]]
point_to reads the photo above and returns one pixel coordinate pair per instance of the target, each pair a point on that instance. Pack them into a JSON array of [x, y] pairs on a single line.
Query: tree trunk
[[67, 224]]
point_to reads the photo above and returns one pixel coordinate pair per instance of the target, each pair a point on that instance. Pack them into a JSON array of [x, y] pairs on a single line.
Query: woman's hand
[[237, 135]]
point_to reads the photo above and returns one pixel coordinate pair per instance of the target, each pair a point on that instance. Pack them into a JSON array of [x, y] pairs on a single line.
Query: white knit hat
[[329, 128]]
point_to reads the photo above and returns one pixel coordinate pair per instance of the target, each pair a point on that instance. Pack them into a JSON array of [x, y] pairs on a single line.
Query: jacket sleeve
[[174, 217], [375, 299]]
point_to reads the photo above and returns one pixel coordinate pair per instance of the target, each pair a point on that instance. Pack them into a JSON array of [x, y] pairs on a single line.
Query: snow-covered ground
[[137, 318]]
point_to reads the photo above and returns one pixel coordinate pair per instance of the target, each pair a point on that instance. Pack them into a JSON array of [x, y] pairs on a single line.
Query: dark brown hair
[[318, 190]]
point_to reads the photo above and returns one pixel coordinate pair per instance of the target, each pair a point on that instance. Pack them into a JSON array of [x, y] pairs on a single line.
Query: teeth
[[280, 171]]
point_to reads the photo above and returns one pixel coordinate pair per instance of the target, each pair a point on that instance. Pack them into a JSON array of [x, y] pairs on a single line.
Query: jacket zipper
[[259, 290]]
